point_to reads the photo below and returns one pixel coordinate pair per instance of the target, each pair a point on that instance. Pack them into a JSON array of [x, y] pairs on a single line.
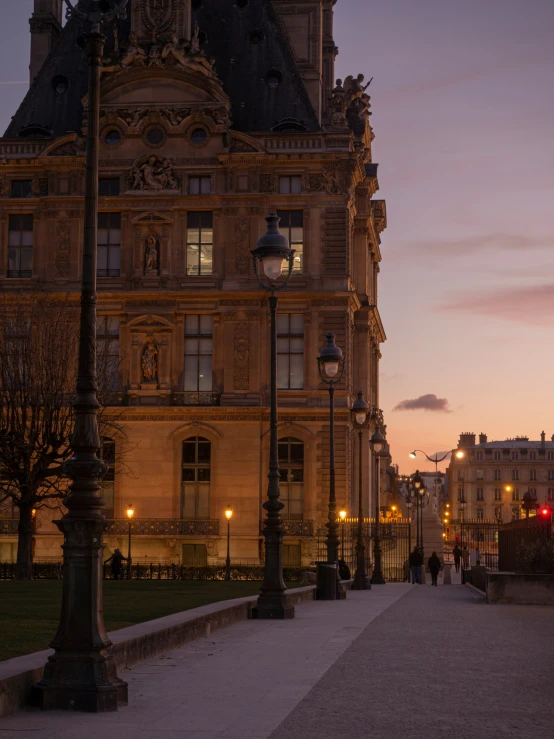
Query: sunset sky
[[463, 115]]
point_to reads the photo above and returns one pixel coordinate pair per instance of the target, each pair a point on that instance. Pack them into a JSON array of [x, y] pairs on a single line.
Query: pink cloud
[[533, 304]]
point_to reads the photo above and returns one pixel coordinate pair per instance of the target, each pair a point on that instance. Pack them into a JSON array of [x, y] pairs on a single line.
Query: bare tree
[[39, 337]]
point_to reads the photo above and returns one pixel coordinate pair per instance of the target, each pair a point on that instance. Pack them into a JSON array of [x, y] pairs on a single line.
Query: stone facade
[[493, 476], [188, 171]]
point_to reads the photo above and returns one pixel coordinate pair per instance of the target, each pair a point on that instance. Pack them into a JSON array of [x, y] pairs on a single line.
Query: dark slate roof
[[247, 43]]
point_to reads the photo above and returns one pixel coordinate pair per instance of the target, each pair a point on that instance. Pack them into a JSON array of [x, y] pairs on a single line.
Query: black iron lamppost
[[409, 507], [417, 483], [130, 513], [459, 455], [462, 506], [377, 442], [360, 419], [228, 516], [271, 251], [330, 364], [81, 674]]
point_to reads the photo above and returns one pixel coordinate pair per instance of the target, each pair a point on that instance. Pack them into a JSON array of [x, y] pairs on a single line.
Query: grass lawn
[[29, 611]]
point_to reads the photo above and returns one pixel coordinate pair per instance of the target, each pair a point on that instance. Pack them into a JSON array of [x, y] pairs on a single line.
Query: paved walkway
[[396, 662]]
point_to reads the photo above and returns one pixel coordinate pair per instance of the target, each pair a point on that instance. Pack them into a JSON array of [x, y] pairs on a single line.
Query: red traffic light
[[545, 511]]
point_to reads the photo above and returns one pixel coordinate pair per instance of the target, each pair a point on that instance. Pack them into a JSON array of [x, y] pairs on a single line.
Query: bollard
[[446, 575]]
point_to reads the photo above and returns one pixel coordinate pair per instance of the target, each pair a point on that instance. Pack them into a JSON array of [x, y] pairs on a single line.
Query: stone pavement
[[398, 661]]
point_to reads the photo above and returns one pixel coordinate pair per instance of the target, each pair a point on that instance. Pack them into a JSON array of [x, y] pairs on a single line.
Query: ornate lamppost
[[81, 674], [271, 251], [460, 454], [409, 507], [342, 516], [417, 483], [377, 442], [130, 513], [228, 516], [330, 364], [360, 420]]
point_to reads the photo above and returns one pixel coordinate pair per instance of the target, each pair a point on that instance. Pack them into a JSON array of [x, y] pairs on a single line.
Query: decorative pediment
[[244, 144], [66, 146], [151, 218], [150, 323]]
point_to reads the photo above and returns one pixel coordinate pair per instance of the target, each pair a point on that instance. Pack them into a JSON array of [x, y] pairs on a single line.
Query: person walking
[[434, 565], [416, 560], [457, 557], [116, 562]]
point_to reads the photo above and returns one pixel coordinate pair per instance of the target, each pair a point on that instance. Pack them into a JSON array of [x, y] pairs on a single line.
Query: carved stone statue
[[134, 54], [338, 103], [150, 362], [355, 87], [151, 172], [151, 257], [195, 40]]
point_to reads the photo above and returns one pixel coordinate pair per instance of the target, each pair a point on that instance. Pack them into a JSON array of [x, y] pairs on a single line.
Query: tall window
[[22, 188], [460, 475], [480, 514], [107, 454], [551, 474], [550, 456], [109, 186], [460, 492], [291, 481], [200, 236], [497, 475], [498, 493], [497, 455], [107, 348], [20, 245], [195, 490], [515, 514], [515, 494], [532, 474], [198, 353], [550, 493], [480, 475], [292, 225], [515, 455], [109, 244], [479, 493], [479, 455], [290, 351], [515, 474], [532, 455]]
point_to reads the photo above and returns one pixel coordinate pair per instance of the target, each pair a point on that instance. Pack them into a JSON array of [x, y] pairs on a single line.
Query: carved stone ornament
[[237, 145], [242, 245], [267, 183], [151, 172], [211, 547], [63, 242], [241, 376], [76, 148], [151, 257], [149, 363]]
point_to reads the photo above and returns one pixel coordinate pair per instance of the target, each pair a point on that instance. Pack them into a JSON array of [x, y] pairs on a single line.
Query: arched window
[[291, 481], [107, 454], [195, 476]]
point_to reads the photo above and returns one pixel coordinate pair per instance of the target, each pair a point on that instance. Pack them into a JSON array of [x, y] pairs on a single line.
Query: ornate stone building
[[213, 114], [493, 476]]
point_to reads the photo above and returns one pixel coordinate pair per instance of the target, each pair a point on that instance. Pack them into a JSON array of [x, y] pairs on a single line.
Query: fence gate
[[480, 537], [395, 546]]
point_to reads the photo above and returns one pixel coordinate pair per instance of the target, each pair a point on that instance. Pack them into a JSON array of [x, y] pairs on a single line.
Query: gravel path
[[438, 664]]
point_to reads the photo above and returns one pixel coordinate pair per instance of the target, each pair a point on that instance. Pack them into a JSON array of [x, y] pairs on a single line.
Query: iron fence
[[516, 537], [395, 546]]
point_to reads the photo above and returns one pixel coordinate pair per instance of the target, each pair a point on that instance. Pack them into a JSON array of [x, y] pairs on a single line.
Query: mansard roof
[[253, 57]]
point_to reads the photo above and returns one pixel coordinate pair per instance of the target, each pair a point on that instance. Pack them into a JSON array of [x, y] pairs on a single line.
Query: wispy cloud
[[429, 402], [470, 244], [532, 304]]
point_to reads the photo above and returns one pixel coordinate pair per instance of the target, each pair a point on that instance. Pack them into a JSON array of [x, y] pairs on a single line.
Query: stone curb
[[137, 643]]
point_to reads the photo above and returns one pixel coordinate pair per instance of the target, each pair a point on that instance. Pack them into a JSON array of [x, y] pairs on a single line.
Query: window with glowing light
[[292, 226], [200, 236]]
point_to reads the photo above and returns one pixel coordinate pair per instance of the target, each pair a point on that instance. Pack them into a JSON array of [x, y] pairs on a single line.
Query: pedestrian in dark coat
[[416, 560], [116, 562], [434, 565], [457, 556]]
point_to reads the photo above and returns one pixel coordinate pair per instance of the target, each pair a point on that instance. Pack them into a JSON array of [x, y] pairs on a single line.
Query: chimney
[[543, 438], [482, 438], [467, 439], [46, 28]]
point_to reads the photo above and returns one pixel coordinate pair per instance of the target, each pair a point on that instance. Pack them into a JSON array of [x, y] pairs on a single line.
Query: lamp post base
[[272, 607], [378, 579], [361, 582], [101, 699]]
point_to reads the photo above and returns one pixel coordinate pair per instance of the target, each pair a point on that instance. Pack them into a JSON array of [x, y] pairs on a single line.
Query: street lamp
[[228, 516], [342, 515], [462, 506], [271, 251], [418, 486], [81, 674], [409, 507], [377, 442], [360, 419], [330, 364], [459, 454], [130, 513]]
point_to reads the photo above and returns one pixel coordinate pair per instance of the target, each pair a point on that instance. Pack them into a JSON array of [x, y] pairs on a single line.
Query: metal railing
[[9, 525], [294, 527], [163, 526]]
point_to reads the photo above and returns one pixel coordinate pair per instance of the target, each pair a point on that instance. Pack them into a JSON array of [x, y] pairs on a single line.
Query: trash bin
[[326, 580]]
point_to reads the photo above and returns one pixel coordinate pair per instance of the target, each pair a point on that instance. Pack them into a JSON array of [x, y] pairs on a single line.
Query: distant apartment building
[[493, 476]]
